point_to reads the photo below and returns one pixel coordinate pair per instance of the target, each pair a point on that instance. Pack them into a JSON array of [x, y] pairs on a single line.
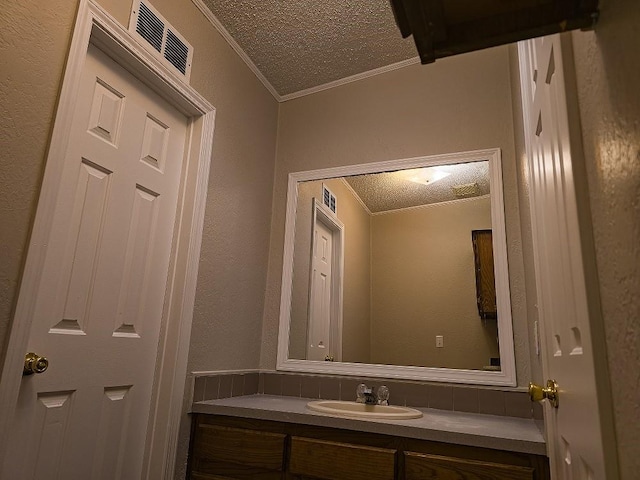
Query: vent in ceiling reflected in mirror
[[161, 38], [467, 190]]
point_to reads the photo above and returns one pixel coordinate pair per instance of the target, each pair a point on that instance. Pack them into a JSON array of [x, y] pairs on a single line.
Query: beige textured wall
[[356, 286], [608, 76], [231, 283], [459, 103], [33, 45], [423, 285], [356, 342]]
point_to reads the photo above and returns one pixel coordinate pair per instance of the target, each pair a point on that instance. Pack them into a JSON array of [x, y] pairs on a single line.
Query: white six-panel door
[[98, 309], [579, 442], [319, 342]]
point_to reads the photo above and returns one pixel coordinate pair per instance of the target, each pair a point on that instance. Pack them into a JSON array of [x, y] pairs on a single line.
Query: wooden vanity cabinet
[[239, 448], [321, 459], [420, 466], [225, 452]]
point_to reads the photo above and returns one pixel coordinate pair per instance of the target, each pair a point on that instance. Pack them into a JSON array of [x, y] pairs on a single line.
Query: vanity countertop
[[472, 429]]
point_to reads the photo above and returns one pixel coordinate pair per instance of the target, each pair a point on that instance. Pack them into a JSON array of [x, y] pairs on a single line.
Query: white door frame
[[95, 26], [321, 213]]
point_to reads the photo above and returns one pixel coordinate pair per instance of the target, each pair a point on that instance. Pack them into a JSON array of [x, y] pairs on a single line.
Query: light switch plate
[[439, 341]]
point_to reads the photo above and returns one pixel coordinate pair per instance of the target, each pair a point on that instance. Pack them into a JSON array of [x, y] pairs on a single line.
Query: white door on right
[[580, 436]]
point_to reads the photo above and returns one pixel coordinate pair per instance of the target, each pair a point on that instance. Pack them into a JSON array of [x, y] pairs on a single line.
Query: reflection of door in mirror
[[350, 255], [324, 340], [319, 346]]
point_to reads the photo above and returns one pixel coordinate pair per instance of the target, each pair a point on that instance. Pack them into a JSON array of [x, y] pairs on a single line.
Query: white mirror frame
[[505, 377]]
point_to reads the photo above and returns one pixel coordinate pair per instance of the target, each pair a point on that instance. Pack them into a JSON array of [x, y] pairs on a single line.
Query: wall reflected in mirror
[[384, 267]]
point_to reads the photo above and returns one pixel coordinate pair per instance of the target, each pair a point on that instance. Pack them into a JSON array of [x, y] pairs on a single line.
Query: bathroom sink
[[360, 410]]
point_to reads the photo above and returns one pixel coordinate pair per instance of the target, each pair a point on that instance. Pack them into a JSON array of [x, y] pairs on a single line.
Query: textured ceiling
[[381, 192], [303, 44]]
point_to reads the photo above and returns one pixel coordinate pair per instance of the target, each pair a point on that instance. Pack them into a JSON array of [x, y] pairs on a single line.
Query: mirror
[[384, 265]]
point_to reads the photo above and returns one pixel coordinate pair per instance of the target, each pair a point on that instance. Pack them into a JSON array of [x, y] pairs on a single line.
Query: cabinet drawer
[[226, 452], [420, 466], [339, 461]]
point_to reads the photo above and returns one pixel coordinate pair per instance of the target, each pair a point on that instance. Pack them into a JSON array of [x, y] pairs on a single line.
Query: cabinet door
[[235, 453], [485, 275], [419, 466], [323, 460]]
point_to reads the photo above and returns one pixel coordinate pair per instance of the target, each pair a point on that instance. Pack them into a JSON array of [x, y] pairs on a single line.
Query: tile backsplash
[[462, 398]]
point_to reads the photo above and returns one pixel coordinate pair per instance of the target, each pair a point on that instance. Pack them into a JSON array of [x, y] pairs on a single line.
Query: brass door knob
[[538, 393], [34, 364]]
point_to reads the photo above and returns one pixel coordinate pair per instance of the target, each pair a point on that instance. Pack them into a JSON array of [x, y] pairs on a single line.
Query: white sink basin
[[360, 410]]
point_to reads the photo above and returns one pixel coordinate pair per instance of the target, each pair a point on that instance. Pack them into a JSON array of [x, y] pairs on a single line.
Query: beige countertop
[[472, 429]]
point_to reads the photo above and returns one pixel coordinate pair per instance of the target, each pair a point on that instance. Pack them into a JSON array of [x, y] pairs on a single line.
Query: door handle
[[538, 393], [34, 364]]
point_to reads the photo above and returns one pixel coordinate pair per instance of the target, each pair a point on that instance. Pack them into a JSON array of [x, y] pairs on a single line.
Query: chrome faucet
[[367, 395], [370, 397]]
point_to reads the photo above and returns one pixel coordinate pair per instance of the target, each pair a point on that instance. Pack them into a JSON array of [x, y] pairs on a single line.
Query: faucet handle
[[383, 395], [360, 392]]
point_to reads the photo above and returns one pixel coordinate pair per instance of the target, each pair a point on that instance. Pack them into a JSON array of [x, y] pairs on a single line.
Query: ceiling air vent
[[166, 44], [466, 190]]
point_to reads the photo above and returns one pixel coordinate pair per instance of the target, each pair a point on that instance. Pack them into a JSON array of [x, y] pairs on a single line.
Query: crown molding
[[301, 93], [431, 205], [355, 194], [352, 78], [237, 48]]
